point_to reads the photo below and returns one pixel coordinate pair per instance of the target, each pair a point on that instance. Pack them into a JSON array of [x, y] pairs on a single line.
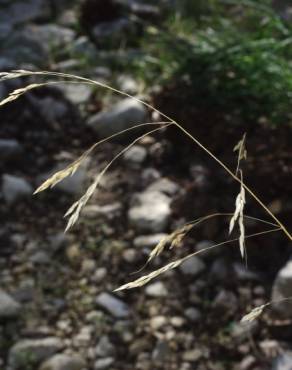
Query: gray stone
[[150, 212], [283, 362], [113, 305], [282, 288], [63, 362], [24, 11], [123, 115], [71, 184], [135, 156], [148, 241], [161, 351], [104, 347], [225, 300], [156, 290], [165, 186], [30, 352], [52, 35], [24, 47], [193, 314], [192, 266], [113, 32], [40, 258], [108, 211], [9, 148], [9, 307], [15, 188], [103, 363], [53, 109]]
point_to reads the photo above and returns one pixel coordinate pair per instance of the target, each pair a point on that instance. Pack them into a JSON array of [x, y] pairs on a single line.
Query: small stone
[[15, 188], [99, 275], [243, 274], [40, 258], [193, 314], [148, 241], [10, 148], [242, 331], [88, 266], [282, 288], [9, 307], [158, 322], [104, 347], [150, 211], [113, 305], [156, 290], [130, 255], [165, 186], [29, 352], [76, 93], [64, 362], [192, 266], [123, 115], [103, 363], [225, 300], [108, 211], [177, 321], [135, 156], [283, 362], [192, 355], [161, 351], [127, 84]]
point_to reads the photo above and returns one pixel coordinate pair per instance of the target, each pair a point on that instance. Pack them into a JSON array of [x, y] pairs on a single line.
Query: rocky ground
[[57, 306]]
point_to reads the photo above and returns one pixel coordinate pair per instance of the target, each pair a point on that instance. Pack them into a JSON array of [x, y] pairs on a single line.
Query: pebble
[[156, 290], [115, 306]]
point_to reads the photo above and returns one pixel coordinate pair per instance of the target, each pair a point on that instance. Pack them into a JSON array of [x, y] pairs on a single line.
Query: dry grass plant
[[175, 238]]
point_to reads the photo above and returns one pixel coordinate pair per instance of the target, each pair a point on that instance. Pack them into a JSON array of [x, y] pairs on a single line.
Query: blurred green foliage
[[234, 56]]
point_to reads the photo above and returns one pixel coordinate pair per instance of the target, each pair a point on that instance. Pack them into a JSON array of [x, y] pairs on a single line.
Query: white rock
[[282, 288], [123, 115], [15, 188], [156, 290], [150, 211], [165, 186], [127, 84], [63, 362], [148, 241], [9, 307], [76, 93], [192, 266]]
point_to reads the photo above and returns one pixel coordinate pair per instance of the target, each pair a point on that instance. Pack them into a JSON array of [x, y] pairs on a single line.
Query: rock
[[108, 211], [40, 258], [157, 322], [150, 211], [127, 84], [104, 347], [282, 288], [24, 11], [220, 270], [225, 300], [242, 273], [30, 352], [112, 33], [53, 109], [88, 266], [76, 93], [113, 305], [193, 314], [156, 290], [161, 351], [15, 188], [192, 266], [9, 148], [135, 156], [24, 47], [63, 362], [125, 114], [9, 307], [148, 241], [283, 362], [103, 363], [241, 331], [193, 355], [149, 175], [165, 186], [74, 184], [145, 11], [52, 35]]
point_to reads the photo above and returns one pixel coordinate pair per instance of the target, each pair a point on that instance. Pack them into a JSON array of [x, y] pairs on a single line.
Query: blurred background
[[221, 68]]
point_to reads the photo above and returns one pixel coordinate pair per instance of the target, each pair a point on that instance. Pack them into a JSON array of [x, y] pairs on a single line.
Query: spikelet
[[253, 314]]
